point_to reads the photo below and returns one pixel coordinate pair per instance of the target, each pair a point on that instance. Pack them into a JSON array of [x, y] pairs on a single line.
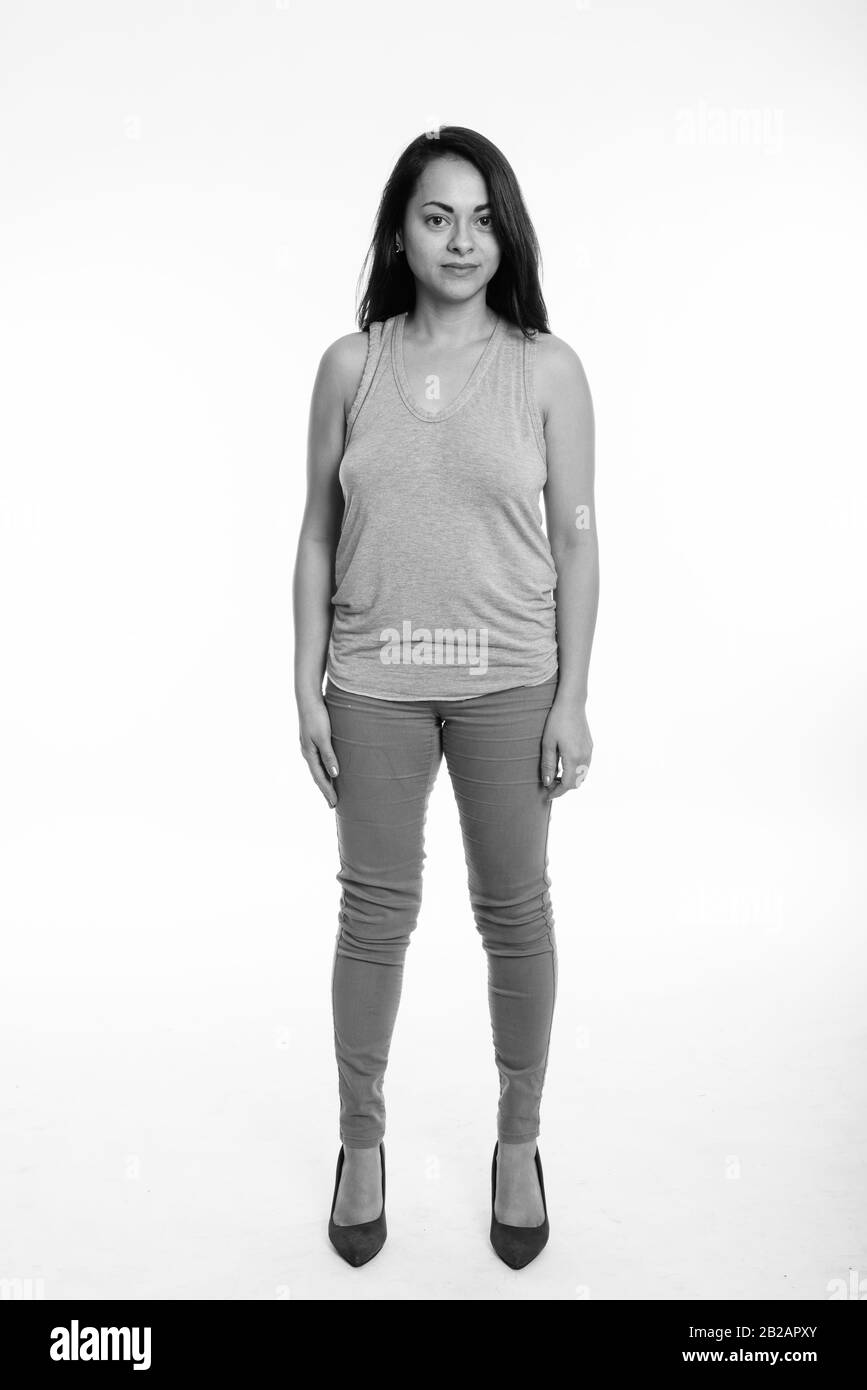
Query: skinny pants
[[389, 754]]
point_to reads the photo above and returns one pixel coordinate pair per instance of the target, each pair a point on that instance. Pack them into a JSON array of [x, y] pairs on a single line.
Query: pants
[[389, 753]]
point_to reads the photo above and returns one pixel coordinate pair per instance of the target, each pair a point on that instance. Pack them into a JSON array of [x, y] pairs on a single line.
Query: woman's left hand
[[567, 736]]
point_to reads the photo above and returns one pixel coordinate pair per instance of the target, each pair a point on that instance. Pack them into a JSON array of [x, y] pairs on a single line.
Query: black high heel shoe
[[358, 1244], [518, 1245]]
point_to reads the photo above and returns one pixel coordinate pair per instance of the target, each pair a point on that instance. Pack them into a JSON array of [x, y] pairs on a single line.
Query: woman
[[425, 591]]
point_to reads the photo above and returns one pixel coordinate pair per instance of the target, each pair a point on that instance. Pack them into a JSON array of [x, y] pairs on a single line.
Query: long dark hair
[[514, 291]]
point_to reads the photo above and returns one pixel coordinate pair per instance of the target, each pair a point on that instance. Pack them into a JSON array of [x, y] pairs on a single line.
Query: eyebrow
[[431, 203]]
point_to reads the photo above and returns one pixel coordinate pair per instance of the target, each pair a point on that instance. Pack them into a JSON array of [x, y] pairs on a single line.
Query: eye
[[487, 217], [435, 216]]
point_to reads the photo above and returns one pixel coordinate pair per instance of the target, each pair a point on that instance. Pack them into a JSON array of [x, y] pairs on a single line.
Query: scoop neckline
[[469, 387]]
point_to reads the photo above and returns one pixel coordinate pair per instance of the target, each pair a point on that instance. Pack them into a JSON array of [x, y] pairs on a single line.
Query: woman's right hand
[[315, 739]]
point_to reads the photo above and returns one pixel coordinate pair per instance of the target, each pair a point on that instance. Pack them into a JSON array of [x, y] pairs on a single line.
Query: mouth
[[461, 269]]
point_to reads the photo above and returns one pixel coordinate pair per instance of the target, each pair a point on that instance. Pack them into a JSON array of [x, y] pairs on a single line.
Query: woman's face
[[448, 223]]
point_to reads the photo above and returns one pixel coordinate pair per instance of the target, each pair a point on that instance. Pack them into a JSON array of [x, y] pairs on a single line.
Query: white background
[[187, 196]]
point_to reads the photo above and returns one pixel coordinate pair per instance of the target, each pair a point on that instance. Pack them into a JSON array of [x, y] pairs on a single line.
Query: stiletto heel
[[518, 1245], [359, 1243]]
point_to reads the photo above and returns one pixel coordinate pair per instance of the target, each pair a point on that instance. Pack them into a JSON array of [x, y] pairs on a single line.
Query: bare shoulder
[[342, 366], [560, 374]]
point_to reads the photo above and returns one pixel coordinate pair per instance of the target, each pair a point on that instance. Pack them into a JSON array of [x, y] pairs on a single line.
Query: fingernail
[[334, 771]]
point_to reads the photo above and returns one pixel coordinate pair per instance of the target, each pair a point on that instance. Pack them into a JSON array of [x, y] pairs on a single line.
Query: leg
[[493, 749], [389, 754]]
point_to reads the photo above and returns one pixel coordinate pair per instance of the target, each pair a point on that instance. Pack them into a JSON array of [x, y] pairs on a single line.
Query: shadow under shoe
[[518, 1245], [358, 1244]]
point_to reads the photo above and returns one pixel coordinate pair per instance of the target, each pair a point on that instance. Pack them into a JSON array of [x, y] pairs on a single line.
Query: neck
[[452, 325]]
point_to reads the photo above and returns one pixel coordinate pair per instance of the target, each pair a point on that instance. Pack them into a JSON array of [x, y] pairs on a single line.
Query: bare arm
[[570, 509], [339, 373]]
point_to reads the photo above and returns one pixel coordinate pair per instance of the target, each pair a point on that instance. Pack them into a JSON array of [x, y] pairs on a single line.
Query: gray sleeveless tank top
[[444, 575]]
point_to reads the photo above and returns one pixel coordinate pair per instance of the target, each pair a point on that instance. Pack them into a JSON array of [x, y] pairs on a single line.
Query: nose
[[461, 243]]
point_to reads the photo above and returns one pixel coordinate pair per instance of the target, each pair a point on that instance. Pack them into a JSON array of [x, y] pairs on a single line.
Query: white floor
[[169, 1101]]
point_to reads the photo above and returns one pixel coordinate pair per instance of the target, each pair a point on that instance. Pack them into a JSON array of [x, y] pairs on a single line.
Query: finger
[[549, 763], [573, 776], [326, 753], [311, 757]]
